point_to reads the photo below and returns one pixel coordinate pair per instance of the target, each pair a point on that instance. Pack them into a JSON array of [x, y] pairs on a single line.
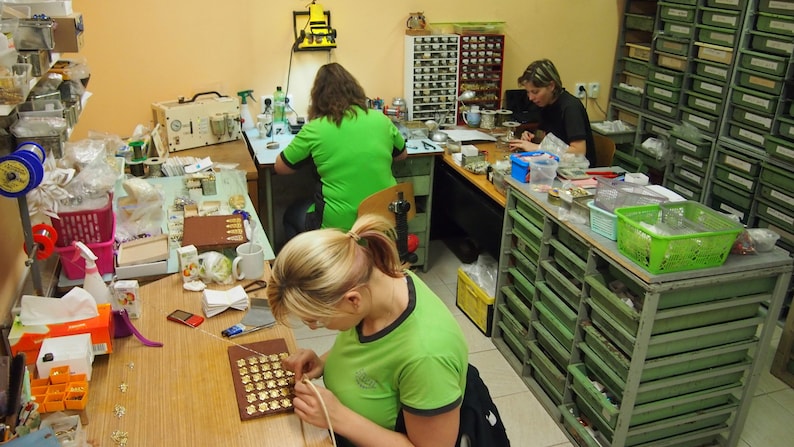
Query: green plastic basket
[[696, 236]]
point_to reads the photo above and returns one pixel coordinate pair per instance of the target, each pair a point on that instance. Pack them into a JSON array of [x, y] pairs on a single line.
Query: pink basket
[[87, 226], [75, 268]]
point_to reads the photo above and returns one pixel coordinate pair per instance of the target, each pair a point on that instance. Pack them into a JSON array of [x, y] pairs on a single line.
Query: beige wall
[[146, 51]]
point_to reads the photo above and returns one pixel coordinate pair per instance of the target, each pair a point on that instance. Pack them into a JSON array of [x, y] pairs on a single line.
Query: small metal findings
[[119, 411]]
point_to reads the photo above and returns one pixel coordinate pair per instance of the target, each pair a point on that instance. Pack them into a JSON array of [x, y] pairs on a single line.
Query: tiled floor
[[528, 424]]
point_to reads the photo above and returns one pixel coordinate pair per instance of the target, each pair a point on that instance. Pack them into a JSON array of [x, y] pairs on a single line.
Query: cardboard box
[[474, 302], [125, 292], [188, 263], [74, 351], [28, 339], [68, 34]]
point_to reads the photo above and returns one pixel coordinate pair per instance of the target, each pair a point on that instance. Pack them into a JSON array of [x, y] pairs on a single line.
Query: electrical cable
[[599, 107], [322, 404]]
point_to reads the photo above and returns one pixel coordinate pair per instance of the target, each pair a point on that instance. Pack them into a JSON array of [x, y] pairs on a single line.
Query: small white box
[[188, 263], [125, 292], [72, 350]]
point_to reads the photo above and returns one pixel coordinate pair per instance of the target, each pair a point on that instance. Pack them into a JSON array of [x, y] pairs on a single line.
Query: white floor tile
[[768, 424], [527, 422]]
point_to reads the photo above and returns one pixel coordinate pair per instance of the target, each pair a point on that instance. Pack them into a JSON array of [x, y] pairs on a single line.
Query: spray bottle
[[93, 282], [245, 113]]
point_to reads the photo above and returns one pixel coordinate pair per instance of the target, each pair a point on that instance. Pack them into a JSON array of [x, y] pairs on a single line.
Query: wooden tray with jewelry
[[261, 385], [214, 232]]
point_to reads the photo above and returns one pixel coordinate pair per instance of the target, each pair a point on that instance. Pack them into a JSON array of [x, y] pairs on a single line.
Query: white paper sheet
[[468, 135]]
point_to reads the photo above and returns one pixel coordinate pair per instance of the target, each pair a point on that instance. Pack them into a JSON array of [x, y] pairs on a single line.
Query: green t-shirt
[[352, 161], [418, 363]]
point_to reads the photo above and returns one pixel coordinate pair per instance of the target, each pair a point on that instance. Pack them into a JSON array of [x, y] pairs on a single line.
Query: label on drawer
[[781, 216], [711, 88], [662, 107], [663, 92], [706, 104], [721, 54], [690, 176], [775, 194], [731, 210], [692, 161], [685, 191], [780, 45], [762, 120], [755, 100], [721, 72], [773, 4], [777, 24], [680, 29], [658, 130], [764, 63], [748, 184], [728, 20], [751, 135], [785, 151], [664, 78], [698, 120], [682, 13], [686, 145], [736, 163]]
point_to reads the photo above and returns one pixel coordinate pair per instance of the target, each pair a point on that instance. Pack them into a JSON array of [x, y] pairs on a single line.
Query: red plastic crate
[[87, 226], [75, 268]]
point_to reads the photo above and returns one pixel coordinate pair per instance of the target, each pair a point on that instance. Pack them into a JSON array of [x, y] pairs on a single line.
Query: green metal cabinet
[[418, 169], [646, 359]]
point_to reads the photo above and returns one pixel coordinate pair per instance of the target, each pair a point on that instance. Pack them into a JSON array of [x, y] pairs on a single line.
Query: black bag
[[480, 423]]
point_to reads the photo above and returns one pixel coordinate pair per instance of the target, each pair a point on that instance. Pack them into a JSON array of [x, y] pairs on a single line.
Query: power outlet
[[593, 89], [579, 90], [270, 97]]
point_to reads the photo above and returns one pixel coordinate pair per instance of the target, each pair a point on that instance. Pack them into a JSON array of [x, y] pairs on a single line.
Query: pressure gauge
[[176, 125]]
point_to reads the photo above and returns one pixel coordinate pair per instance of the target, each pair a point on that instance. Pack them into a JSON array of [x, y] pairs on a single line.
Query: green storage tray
[[526, 234], [685, 173], [557, 306], [725, 206], [522, 285], [775, 175], [573, 243], [738, 179], [668, 78], [638, 22], [736, 5], [663, 108], [776, 214], [511, 322], [682, 187], [703, 121], [561, 284], [519, 308], [662, 367], [775, 23], [678, 29], [739, 162], [676, 319], [674, 342], [780, 148], [709, 86], [679, 12], [724, 18], [718, 36], [771, 43], [551, 345], [776, 7], [741, 199], [700, 149], [778, 196], [763, 63], [556, 327], [568, 260], [649, 159], [712, 70], [704, 103], [531, 212], [542, 365], [673, 45], [761, 82], [690, 162], [628, 162], [674, 406], [627, 95], [746, 133], [753, 99], [785, 127], [574, 427], [663, 93], [635, 66], [519, 350], [754, 119], [527, 268]]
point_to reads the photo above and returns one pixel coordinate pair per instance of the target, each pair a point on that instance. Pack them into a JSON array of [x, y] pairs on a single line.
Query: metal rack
[[678, 366], [431, 77]]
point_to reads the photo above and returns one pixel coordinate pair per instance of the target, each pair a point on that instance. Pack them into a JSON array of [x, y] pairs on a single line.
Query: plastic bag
[[755, 240], [141, 211], [483, 273], [215, 267]]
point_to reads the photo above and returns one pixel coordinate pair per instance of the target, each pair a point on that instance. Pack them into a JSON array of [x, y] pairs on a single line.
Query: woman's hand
[[309, 408], [304, 362], [527, 135], [523, 145]]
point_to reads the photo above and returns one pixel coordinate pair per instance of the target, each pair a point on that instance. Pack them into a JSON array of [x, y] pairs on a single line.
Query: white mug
[[250, 261]]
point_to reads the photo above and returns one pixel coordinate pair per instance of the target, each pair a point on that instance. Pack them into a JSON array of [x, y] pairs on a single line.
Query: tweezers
[[253, 286]]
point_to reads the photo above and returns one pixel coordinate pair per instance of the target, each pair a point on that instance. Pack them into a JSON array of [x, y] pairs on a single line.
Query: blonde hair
[[315, 269], [542, 73]]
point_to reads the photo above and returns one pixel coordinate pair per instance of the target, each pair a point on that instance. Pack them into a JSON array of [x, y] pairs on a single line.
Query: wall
[[147, 51]]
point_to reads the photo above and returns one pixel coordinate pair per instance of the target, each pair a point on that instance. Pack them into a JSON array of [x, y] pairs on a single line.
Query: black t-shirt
[[567, 119]]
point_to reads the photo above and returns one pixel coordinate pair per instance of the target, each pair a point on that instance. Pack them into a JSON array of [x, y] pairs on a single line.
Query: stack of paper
[[216, 301]]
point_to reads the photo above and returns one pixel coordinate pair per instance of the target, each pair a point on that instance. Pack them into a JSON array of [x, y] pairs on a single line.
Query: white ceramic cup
[[250, 261]]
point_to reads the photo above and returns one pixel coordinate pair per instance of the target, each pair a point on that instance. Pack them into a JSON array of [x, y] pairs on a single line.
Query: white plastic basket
[[603, 222]]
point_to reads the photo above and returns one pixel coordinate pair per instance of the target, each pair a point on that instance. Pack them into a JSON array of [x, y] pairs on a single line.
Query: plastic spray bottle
[[93, 283], [279, 106], [245, 113]]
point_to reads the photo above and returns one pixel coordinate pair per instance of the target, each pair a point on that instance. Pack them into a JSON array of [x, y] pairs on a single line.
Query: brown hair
[[316, 268], [334, 93], [542, 73]]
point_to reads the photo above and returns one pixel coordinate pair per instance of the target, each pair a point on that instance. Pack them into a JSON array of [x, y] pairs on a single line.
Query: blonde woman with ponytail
[[398, 350]]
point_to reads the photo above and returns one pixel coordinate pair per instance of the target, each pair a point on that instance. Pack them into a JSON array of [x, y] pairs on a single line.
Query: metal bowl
[[439, 137]]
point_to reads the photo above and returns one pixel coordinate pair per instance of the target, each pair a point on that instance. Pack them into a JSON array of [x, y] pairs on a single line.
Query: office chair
[[397, 204], [605, 150]]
